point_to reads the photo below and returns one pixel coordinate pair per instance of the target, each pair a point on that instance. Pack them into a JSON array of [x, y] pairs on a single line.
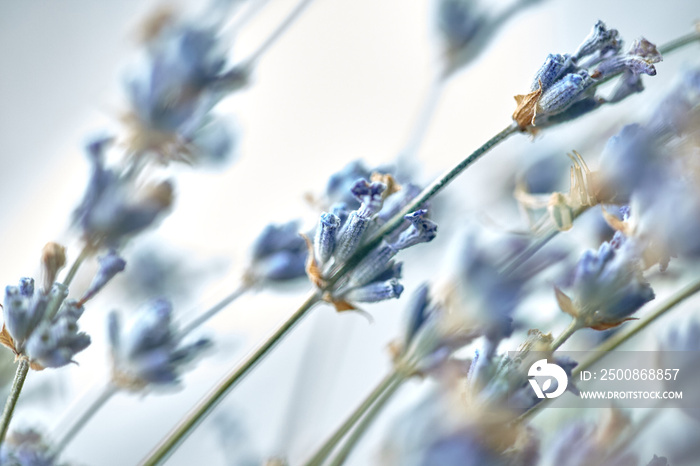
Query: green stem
[[619, 338], [680, 42], [76, 265], [573, 326], [276, 34], [209, 402], [366, 422], [104, 396], [330, 444], [20, 377], [208, 314]]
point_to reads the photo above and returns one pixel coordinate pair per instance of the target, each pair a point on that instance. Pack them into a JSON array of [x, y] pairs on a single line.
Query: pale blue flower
[[147, 350]]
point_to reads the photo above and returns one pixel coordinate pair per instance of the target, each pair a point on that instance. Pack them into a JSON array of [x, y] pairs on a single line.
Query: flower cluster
[[340, 233], [564, 87], [37, 329], [147, 349], [181, 75], [27, 448], [113, 207], [279, 253], [608, 285]]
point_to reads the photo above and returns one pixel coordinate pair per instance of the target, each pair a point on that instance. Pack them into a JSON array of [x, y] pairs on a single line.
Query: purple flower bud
[[279, 252], [629, 84], [608, 285], [55, 343], [416, 313], [617, 64], [147, 350], [421, 230], [458, 22], [375, 292], [340, 183], [324, 243], [565, 92], [110, 265], [370, 196], [351, 235], [23, 310], [550, 71], [111, 210], [373, 265], [599, 39], [26, 448]]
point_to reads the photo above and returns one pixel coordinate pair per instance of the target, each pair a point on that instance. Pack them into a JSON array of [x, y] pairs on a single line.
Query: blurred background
[[345, 82]]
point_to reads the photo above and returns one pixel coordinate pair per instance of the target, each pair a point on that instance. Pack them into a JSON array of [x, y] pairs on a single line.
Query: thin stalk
[[103, 397], [365, 423], [17, 383], [570, 330], [679, 42], [76, 265], [212, 399], [250, 62], [208, 314], [619, 338], [330, 444]]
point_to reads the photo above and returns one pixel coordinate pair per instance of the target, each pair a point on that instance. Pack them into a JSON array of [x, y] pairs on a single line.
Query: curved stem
[[619, 338], [209, 402], [330, 444], [208, 314], [573, 326], [20, 377], [250, 62], [103, 397], [365, 423]]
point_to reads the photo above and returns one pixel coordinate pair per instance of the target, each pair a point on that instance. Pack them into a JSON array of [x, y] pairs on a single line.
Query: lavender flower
[[27, 448], [376, 277], [589, 447], [608, 285], [32, 332], [147, 350], [279, 253], [113, 209], [110, 265], [428, 339], [181, 75], [564, 86], [466, 28]]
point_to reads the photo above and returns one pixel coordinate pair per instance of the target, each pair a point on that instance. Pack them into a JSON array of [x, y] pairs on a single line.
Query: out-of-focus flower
[[480, 294], [279, 253], [147, 350], [564, 87], [114, 207], [428, 339], [376, 277], [27, 448], [679, 348], [582, 444], [658, 461], [180, 76], [466, 27], [608, 285], [110, 265], [32, 331]]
